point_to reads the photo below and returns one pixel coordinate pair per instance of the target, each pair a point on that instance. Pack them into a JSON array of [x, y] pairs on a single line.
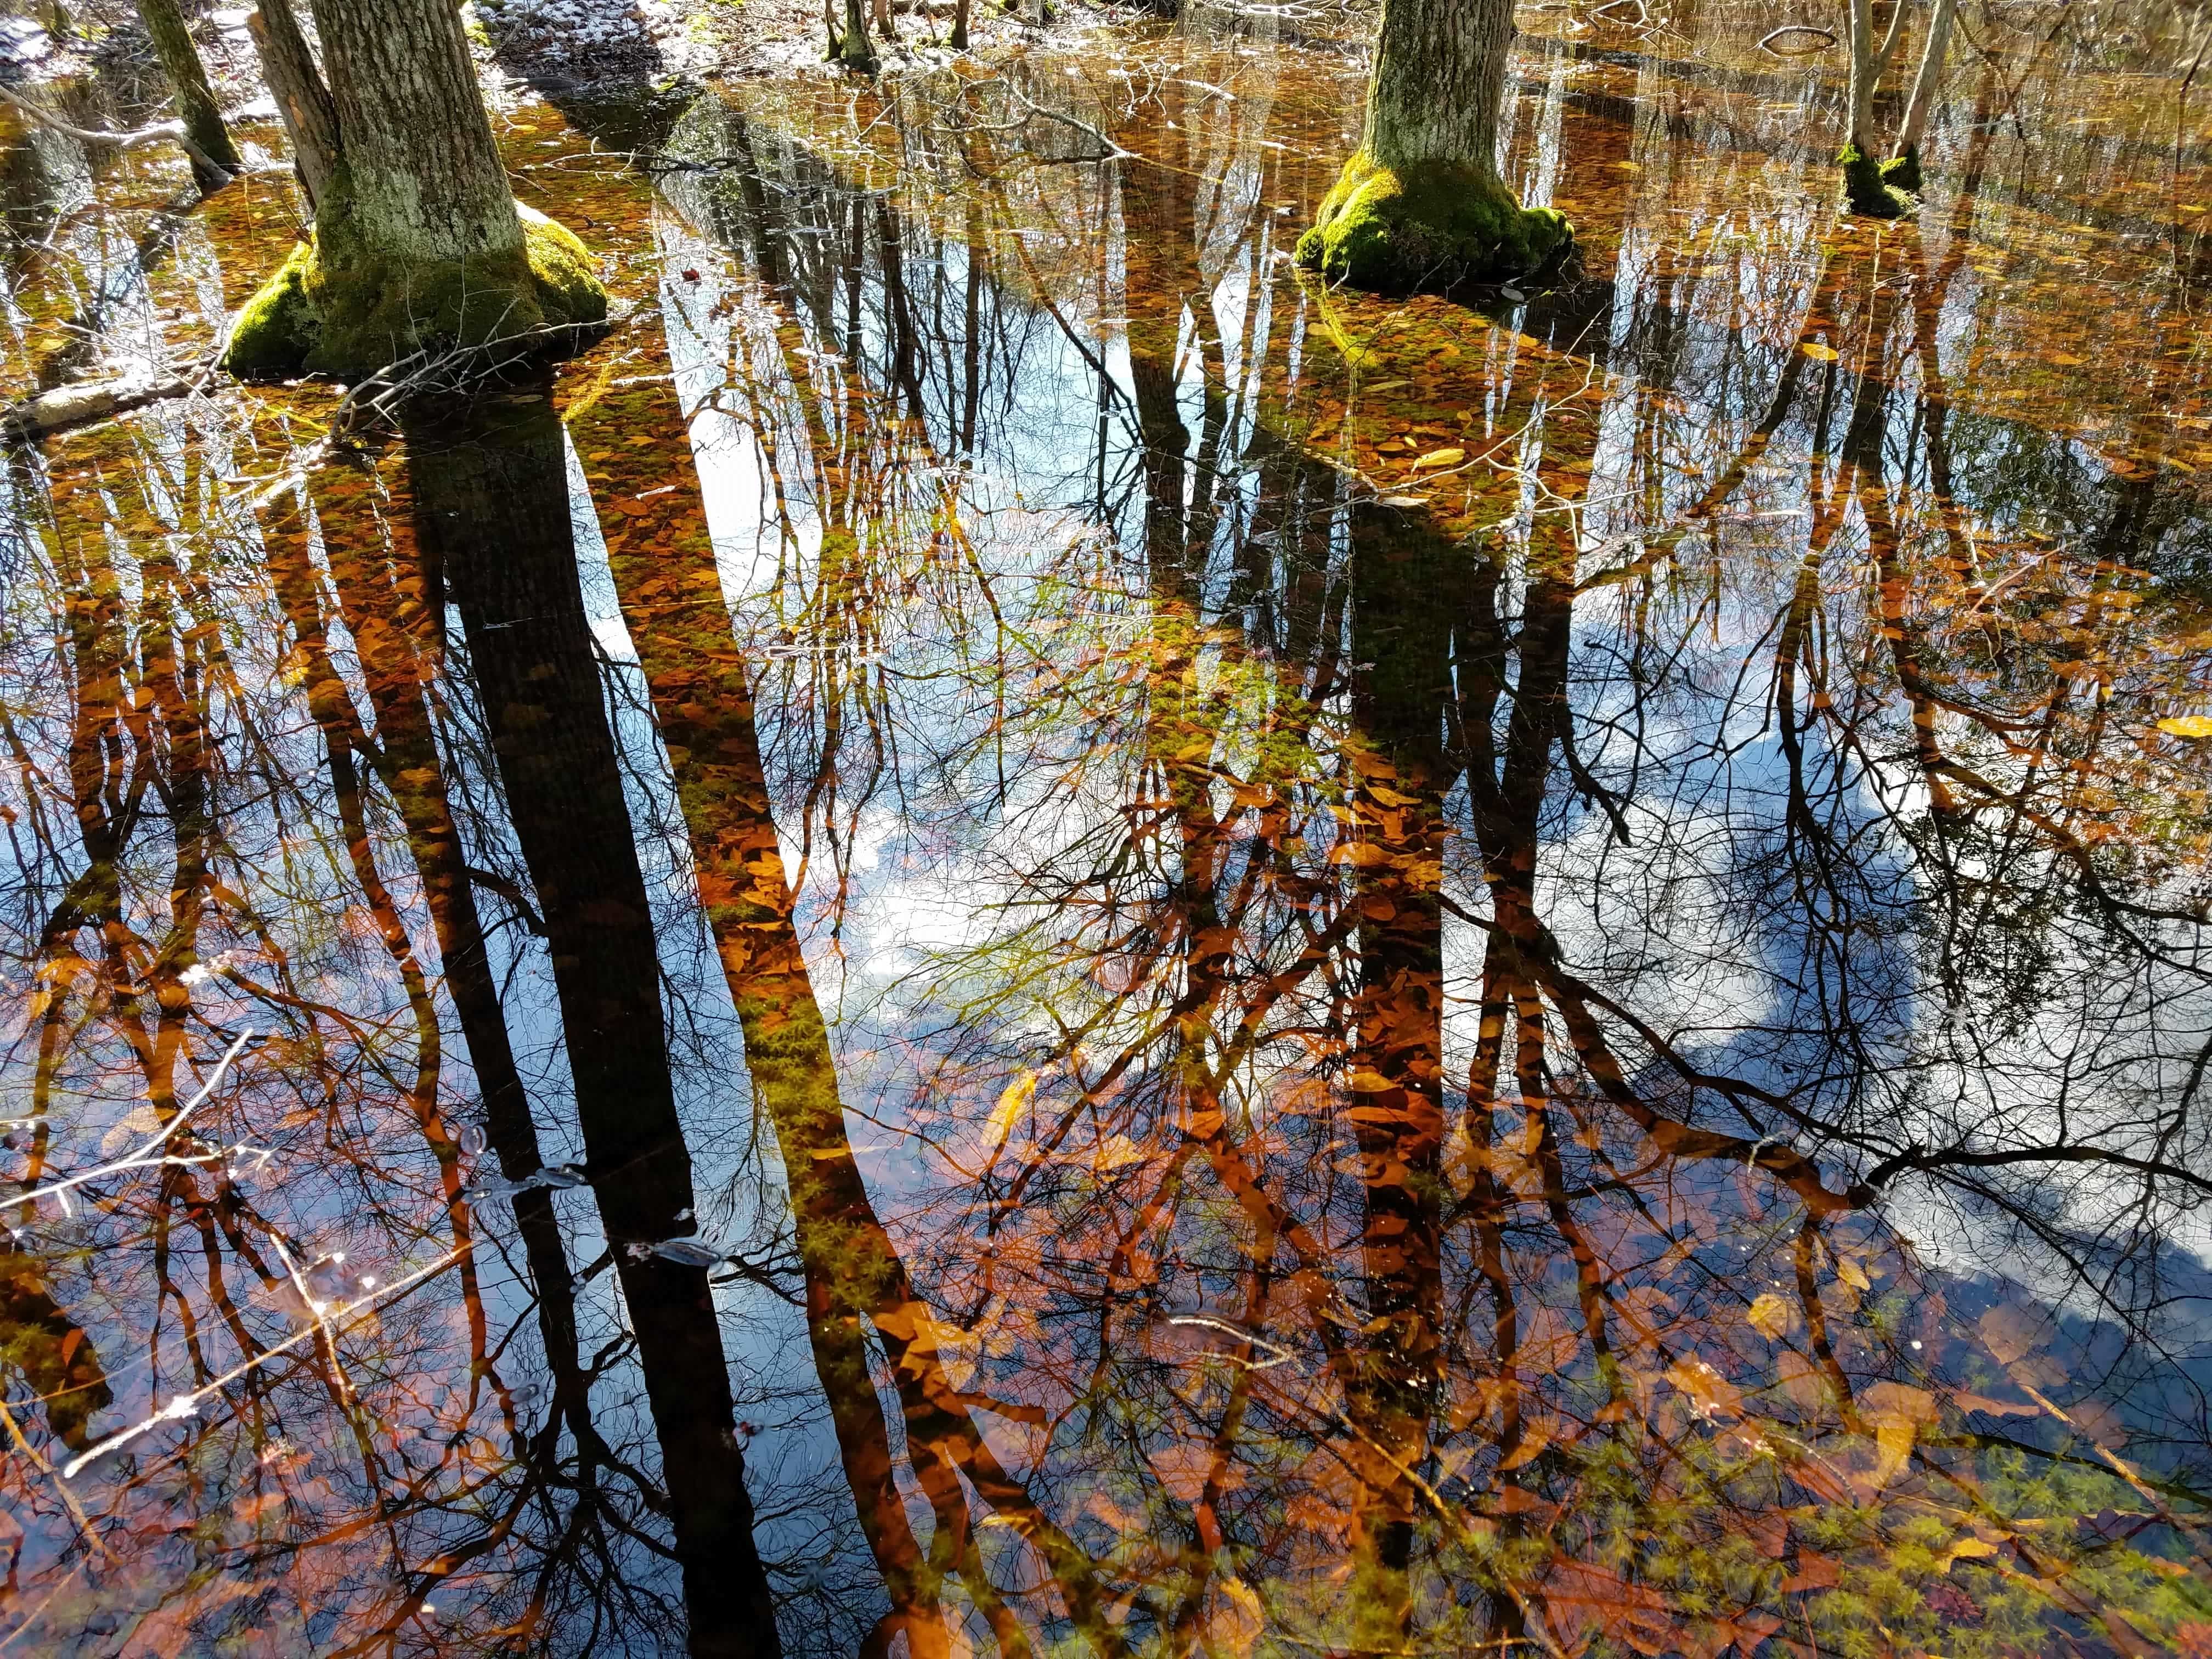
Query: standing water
[[1011, 933]]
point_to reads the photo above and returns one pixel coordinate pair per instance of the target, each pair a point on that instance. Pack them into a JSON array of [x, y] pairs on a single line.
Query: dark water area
[[1008, 933]]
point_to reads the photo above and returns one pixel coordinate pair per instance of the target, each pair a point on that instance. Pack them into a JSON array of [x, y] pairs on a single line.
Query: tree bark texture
[[188, 84], [1861, 92], [423, 179], [1926, 83], [1438, 82], [419, 244], [1421, 205], [310, 115]]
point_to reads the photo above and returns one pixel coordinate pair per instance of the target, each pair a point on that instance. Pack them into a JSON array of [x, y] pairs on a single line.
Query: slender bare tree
[[215, 157]]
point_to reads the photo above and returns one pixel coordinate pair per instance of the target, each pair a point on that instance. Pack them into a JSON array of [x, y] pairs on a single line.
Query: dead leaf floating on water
[[1439, 458], [1819, 353], [1770, 1316], [2187, 726]]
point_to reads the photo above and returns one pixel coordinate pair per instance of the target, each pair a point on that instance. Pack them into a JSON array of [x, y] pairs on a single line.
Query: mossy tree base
[[1903, 173], [333, 308], [1434, 226], [1868, 189]]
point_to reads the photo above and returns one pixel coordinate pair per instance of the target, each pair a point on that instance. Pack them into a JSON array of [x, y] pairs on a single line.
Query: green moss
[[1866, 191], [334, 307], [1903, 173], [569, 292], [275, 330], [1434, 226]]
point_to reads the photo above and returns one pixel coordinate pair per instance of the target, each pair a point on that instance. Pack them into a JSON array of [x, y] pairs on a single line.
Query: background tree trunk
[[1905, 170], [1860, 121], [311, 118], [188, 84]]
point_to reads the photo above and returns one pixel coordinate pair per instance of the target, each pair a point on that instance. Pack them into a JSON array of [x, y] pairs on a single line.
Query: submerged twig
[[137, 1157], [188, 1404]]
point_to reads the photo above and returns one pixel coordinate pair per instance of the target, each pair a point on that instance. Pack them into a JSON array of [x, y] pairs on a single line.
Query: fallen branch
[[1826, 39], [188, 1404], [69, 406], [172, 131]]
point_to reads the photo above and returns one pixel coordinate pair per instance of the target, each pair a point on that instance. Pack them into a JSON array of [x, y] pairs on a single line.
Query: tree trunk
[[1857, 135], [854, 50], [424, 181], [1438, 82], [1420, 204], [1865, 191], [1905, 170], [311, 118], [188, 84], [419, 243]]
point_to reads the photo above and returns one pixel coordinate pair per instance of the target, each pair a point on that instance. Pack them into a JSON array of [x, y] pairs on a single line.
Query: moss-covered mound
[[1903, 173], [335, 308], [1867, 188], [1434, 226]]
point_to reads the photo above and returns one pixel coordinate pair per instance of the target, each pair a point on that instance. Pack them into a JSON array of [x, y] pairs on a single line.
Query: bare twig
[[137, 1157], [160, 131]]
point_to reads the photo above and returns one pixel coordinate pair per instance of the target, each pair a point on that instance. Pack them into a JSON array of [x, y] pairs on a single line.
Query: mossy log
[[333, 307], [1426, 225]]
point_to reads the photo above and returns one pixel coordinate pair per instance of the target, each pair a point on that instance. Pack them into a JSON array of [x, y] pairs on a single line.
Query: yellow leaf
[[1853, 1274], [1012, 1101], [1967, 1549], [1439, 458], [1820, 354], [1893, 1441], [2187, 726], [1771, 1316]]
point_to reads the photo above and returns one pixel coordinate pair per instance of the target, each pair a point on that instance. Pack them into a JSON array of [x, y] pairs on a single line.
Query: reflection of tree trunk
[[703, 696], [384, 611], [491, 509], [1402, 639]]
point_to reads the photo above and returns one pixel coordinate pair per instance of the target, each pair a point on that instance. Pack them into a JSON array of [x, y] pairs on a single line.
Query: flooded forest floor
[[1009, 933]]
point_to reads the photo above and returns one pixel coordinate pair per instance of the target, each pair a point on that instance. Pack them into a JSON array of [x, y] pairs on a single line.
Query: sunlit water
[[1008, 933]]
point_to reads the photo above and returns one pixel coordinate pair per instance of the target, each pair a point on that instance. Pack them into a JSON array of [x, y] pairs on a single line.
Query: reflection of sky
[[1695, 921]]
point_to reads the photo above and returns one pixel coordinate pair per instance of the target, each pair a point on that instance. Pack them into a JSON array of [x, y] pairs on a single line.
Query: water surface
[[1009, 934]]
